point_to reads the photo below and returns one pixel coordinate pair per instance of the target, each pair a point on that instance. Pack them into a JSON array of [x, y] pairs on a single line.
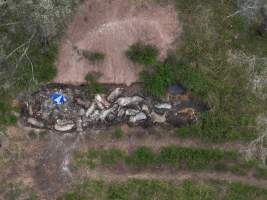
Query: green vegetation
[[93, 85], [143, 54], [93, 56], [178, 157], [29, 45], [157, 80], [118, 133], [152, 189], [6, 116], [142, 157], [214, 64]]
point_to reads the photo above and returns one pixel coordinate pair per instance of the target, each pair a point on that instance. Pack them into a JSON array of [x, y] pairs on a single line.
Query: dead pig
[[131, 112], [138, 118], [101, 102], [115, 94], [35, 122], [164, 106], [64, 125], [90, 109], [126, 101]]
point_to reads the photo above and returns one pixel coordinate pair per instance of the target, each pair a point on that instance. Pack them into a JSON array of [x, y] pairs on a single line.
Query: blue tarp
[[58, 98]]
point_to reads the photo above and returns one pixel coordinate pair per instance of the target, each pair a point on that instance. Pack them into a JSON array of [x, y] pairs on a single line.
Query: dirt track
[[177, 177], [111, 27]]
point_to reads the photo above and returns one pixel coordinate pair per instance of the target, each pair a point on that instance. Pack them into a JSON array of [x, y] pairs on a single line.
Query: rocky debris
[[82, 112]]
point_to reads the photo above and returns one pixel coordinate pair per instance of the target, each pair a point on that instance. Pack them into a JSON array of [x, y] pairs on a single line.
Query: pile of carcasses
[[81, 112]]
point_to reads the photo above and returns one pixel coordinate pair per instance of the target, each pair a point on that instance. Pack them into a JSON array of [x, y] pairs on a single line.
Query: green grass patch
[[6, 116], [118, 133], [184, 158], [142, 53], [152, 189], [157, 78], [142, 157]]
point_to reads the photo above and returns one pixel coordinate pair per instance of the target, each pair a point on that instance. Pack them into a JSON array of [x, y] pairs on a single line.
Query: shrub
[[142, 54], [93, 86], [158, 80]]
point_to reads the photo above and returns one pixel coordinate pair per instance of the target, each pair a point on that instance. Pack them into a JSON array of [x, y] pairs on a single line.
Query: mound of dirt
[[111, 26]]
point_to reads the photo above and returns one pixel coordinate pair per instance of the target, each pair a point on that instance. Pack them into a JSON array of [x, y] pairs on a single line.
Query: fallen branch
[[240, 11]]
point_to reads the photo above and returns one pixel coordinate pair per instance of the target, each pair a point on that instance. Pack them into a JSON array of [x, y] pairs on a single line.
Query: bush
[[142, 54], [157, 81], [93, 56], [93, 86]]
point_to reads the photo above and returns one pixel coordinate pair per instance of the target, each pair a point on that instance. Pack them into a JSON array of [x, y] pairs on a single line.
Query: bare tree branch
[[27, 42], [32, 67], [8, 24]]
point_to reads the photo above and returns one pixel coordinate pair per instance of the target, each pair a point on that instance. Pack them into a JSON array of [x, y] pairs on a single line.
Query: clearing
[[110, 27]]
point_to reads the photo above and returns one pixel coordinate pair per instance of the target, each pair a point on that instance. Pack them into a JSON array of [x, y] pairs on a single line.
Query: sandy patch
[[111, 26]]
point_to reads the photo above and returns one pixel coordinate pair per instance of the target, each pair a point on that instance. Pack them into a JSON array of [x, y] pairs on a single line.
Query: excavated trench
[[118, 105]]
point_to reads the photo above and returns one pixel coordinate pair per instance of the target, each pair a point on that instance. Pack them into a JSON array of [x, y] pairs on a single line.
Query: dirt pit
[[110, 27]]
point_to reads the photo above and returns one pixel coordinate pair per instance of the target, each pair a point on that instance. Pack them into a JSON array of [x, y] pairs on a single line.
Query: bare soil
[[110, 27]]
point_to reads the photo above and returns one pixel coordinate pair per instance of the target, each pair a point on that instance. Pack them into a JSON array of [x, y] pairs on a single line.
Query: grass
[[184, 158], [6, 116], [213, 63], [154, 189], [142, 54], [157, 79], [118, 133], [25, 62], [13, 191]]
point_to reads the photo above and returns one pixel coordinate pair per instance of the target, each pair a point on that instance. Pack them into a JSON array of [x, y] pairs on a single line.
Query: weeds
[[210, 66], [173, 156], [143, 54], [154, 189], [6, 116]]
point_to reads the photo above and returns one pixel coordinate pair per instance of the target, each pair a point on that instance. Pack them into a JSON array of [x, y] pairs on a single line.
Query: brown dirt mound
[[111, 26]]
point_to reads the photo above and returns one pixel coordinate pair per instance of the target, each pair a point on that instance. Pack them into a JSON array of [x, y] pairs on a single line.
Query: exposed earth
[[110, 27]]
